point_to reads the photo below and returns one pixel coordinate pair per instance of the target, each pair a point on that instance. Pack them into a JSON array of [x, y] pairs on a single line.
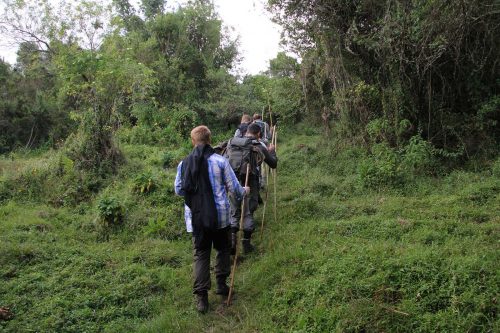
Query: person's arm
[[270, 156], [231, 182], [178, 181]]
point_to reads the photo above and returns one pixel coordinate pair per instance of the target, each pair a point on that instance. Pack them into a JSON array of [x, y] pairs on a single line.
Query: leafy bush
[[183, 120], [29, 185], [170, 136], [70, 187], [287, 98], [382, 168], [110, 216], [418, 156], [140, 135], [94, 150], [366, 103], [495, 168], [144, 112], [110, 210], [378, 130], [145, 135], [168, 159], [391, 166], [144, 183]]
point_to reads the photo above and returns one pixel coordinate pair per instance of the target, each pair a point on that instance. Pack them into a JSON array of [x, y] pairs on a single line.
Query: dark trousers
[[251, 205], [221, 241]]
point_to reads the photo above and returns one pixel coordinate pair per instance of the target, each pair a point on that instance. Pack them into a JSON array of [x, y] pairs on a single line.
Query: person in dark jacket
[[265, 131], [252, 201], [204, 179], [246, 120]]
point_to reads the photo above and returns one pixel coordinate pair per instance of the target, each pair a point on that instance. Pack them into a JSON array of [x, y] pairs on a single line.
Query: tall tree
[[151, 8], [432, 63]]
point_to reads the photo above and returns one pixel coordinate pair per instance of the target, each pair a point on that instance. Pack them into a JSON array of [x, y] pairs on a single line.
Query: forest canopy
[[395, 69], [379, 72]]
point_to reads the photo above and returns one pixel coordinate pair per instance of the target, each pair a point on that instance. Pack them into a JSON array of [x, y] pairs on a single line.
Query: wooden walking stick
[[265, 204], [228, 302], [275, 137], [267, 189]]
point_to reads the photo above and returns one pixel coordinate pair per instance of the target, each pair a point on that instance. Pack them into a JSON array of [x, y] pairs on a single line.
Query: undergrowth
[[351, 251]]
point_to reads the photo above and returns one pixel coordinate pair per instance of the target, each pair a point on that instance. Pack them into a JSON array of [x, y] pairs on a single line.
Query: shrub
[[418, 156], [168, 159], [367, 99], [169, 136], [183, 120], [495, 168], [390, 166], [28, 186], [110, 210], [382, 168], [144, 112], [93, 148], [110, 215], [138, 135], [144, 183], [378, 129]]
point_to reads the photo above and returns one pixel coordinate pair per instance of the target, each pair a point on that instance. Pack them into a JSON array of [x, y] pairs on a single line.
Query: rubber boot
[[202, 302], [247, 246]]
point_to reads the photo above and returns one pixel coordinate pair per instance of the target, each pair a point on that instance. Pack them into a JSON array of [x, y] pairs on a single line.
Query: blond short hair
[[246, 118], [256, 116], [201, 135]]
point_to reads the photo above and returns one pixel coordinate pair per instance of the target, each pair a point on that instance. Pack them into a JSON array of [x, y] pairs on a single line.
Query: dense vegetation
[[390, 70], [388, 180], [420, 257]]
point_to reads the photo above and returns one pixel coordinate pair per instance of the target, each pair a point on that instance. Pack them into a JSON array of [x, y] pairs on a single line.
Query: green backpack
[[243, 151]]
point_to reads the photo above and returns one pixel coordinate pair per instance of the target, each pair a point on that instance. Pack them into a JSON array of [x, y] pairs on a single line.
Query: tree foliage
[[432, 63], [28, 107], [108, 67], [383, 71]]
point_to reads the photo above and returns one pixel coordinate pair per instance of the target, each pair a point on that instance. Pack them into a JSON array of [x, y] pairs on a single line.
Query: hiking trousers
[[221, 241], [251, 204]]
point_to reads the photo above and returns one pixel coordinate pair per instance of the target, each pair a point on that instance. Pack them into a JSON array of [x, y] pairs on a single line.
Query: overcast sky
[[259, 37]]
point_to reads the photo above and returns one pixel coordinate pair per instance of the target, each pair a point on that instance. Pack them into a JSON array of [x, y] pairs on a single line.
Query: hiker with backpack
[[240, 152], [204, 179], [246, 120], [265, 132]]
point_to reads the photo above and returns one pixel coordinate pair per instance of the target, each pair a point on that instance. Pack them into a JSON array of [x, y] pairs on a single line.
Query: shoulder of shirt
[[217, 158]]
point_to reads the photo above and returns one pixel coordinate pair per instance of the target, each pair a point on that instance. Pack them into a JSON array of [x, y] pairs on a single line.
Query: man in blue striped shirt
[[204, 179]]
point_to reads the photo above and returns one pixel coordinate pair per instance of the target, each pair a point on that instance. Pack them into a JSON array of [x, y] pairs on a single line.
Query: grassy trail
[[423, 257]]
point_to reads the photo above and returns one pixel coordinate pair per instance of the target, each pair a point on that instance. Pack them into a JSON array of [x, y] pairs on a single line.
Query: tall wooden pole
[[275, 137], [228, 302], [270, 114], [264, 208]]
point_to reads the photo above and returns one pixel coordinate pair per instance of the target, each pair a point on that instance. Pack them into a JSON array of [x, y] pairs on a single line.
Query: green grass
[[421, 257]]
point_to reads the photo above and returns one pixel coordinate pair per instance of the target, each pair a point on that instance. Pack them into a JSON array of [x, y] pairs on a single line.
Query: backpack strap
[[258, 154]]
